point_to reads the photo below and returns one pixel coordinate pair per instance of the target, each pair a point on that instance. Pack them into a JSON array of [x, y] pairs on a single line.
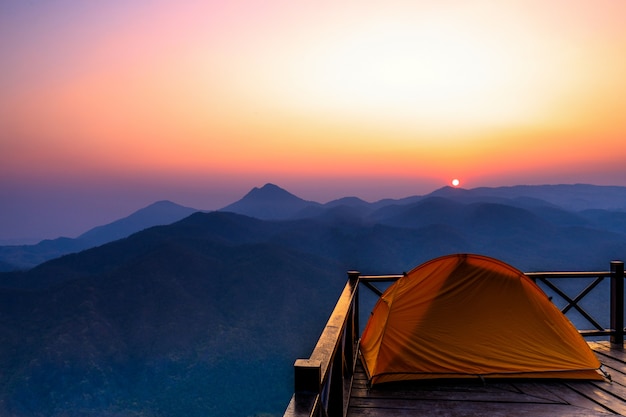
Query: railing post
[[307, 376], [307, 389], [335, 392], [617, 304], [353, 277]]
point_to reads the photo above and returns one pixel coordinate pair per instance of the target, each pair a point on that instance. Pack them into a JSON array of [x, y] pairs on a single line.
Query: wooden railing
[[322, 383], [616, 301]]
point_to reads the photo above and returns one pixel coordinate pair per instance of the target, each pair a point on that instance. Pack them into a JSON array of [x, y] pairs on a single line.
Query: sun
[[456, 182]]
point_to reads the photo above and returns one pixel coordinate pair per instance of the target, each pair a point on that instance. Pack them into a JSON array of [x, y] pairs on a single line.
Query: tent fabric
[[462, 316]]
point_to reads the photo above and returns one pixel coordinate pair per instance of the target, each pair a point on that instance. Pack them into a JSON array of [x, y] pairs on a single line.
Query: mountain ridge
[[271, 202], [151, 321], [17, 257]]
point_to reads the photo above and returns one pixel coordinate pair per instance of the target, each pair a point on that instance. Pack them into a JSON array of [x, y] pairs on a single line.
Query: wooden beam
[[617, 304]]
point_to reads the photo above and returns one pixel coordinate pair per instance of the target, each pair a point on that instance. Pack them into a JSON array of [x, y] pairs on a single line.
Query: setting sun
[[377, 99], [456, 182]]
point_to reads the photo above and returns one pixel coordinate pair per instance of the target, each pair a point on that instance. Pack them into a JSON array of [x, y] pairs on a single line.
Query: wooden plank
[[568, 393], [600, 396], [616, 355], [370, 408], [553, 392], [616, 390], [604, 348], [613, 364], [494, 393], [537, 393], [539, 398]]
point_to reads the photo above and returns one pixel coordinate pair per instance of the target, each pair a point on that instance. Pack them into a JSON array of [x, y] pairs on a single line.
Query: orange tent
[[463, 316]]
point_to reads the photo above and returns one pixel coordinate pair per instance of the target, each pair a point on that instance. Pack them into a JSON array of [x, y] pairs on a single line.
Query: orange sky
[[325, 98]]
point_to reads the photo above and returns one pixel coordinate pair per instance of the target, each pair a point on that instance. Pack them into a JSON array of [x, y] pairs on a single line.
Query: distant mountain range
[[205, 313], [599, 206], [17, 257]]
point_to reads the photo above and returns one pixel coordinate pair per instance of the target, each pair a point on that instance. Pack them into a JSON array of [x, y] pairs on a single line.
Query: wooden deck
[[331, 381], [534, 398]]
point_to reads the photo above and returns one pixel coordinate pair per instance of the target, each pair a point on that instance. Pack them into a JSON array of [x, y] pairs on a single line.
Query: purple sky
[[107, 107]]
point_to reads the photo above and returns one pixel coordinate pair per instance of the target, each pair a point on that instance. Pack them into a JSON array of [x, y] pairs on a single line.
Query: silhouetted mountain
[[159, 213], [174, 320], [466, 196], [353, 205], [206, 315], [556, 203], [343, 214], [348, 202], [541, 238], [431, 210], [270, 202], [560, 216], [28, 256], [574, 197]]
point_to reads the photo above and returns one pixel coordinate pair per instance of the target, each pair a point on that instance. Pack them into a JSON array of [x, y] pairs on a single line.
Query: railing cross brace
[[574, 302]]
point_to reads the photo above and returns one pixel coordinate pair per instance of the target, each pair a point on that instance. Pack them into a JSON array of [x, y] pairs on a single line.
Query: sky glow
[[107, 107]]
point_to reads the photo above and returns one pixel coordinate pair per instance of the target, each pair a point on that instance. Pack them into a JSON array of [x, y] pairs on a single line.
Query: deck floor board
[[553, 398]]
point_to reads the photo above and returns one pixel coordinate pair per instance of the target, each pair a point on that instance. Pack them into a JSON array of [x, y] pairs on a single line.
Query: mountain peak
[[270, 192], [269, 202], [449, 191], [162, 203]]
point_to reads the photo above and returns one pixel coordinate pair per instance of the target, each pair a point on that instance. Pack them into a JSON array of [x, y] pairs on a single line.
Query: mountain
[[270, 202], [159, 213], [605, 219], [603, 207], [352, 205], [173, 320], [20, 257], [575, 197], [188, 317], [28, 256]]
